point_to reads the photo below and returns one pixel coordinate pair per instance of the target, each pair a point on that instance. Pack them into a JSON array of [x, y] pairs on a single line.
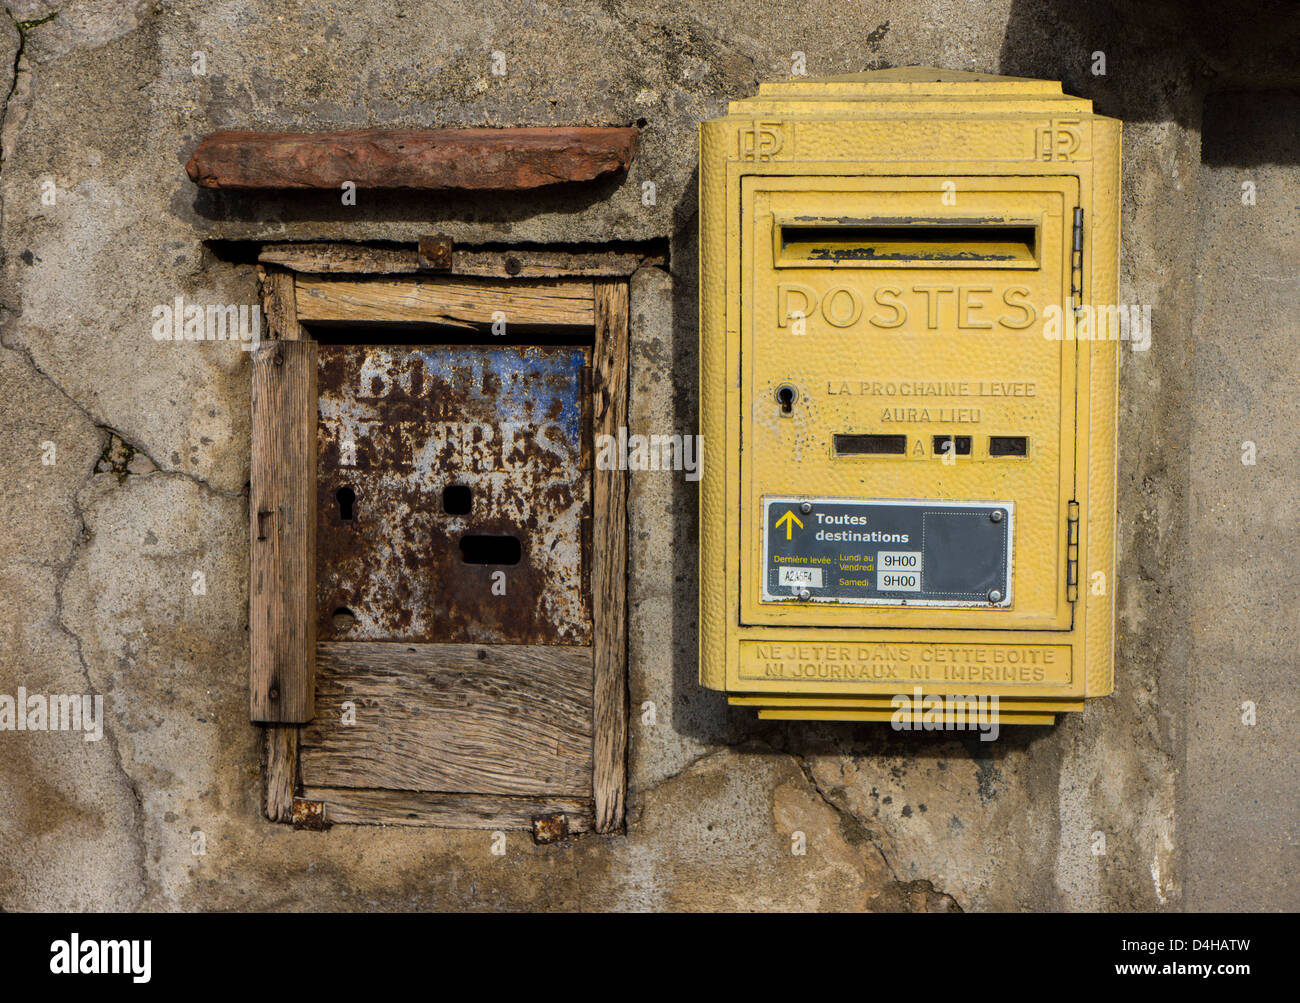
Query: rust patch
[[435, 253], [308, 815], [550, 828], [447, 476]]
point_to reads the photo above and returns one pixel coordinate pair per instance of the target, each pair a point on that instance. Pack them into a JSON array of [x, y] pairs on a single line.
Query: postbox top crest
[[911, 90], [911, 114]]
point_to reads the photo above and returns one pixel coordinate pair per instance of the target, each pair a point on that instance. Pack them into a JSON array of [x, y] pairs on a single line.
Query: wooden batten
[[452, 811], [282, 516], [280, 306], [609, 555], [281, 770], [559, 303], [314, 258]]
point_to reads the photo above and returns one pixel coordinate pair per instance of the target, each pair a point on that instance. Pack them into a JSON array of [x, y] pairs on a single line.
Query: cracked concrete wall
[[150, 463]]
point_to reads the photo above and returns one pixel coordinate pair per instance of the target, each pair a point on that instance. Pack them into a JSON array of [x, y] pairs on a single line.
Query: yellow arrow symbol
[[790, 520]]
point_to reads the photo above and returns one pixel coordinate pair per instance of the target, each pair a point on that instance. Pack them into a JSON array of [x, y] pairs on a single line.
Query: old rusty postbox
[[438, 563], [910, 428]]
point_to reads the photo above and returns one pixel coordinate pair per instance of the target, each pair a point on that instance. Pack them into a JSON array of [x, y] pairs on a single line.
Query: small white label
[[898, 560], [808, 578], [898, 581]]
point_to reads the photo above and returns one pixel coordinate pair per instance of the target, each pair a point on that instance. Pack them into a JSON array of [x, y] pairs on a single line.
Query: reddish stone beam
[[427, 160]]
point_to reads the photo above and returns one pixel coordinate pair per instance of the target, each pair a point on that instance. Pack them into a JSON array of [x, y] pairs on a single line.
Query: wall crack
[[80, 539], [20, 57]]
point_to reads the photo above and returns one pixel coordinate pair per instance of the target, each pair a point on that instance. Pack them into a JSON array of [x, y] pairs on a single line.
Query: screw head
[[996, 515], [805, 595], [805, 507], [995, 595]]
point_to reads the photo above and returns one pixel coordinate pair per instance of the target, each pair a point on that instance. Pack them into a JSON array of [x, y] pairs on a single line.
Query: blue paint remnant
[[525, 381]]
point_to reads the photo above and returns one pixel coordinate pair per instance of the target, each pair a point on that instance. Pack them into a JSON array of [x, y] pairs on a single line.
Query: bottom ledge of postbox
[[1014, 705], [884, 716], [1009, 710]]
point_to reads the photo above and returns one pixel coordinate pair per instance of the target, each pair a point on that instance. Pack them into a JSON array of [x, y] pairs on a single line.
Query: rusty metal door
[[454, 494]]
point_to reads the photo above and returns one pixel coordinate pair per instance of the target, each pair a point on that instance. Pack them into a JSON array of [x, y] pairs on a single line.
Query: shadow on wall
[[1251, 128], [397, 206], [1160, 56]]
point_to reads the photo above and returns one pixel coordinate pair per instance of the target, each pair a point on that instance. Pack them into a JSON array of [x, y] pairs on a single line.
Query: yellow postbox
[[908, 396]]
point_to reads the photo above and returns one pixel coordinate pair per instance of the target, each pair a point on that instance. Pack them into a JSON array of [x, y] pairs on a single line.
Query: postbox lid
[[911, 90]]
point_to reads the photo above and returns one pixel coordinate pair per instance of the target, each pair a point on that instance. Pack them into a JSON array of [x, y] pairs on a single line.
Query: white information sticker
[[898, 560], [807, 578], [898, 581]]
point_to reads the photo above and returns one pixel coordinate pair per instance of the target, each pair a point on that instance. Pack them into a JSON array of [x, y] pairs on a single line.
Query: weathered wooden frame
[[313, 282]]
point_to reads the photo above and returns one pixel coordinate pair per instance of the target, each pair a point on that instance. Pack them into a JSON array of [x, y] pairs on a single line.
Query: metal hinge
[[1076, 262], [1072, 510], [1072, 552]]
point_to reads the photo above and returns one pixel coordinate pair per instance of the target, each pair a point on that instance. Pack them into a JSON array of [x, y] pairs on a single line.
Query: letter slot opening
[[903, 243], [870, 445], [952, 445], [1008, 445], [490, 549]]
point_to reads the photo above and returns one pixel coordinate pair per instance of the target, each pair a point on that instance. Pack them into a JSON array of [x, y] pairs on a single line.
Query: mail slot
[[910, 434]]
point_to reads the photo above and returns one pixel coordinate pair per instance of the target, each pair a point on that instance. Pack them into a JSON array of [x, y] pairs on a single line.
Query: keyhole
[[786, 396], [346, 498]]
